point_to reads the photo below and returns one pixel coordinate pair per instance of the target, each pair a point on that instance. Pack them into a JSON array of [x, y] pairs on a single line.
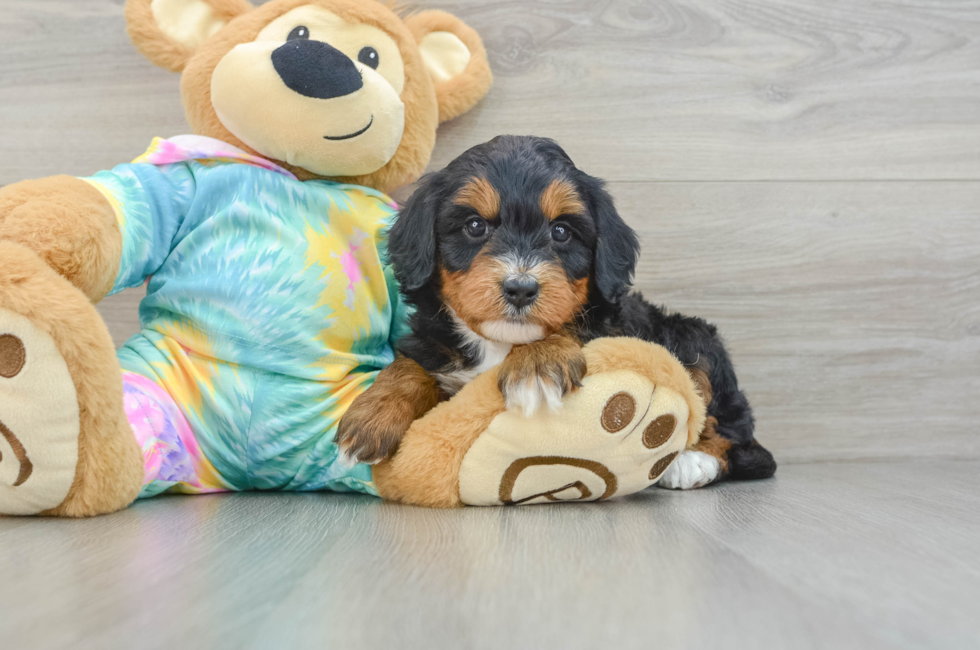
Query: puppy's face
[[515, 253], [512, 237]]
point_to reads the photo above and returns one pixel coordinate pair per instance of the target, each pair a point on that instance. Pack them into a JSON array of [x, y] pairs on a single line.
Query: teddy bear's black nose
[[315, 69]]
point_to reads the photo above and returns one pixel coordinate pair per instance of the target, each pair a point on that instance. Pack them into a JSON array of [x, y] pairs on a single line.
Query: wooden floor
[[827, 555], [805, 173]]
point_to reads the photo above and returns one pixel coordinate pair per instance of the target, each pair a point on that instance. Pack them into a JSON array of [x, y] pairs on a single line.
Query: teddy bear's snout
[[316, 69]]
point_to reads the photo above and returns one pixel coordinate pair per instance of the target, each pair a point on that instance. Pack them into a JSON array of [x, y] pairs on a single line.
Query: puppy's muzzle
[[520, 290]]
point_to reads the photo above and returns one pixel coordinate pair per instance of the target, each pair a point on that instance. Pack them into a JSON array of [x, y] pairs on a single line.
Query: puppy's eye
[[475, 228], [560, 233], [300, 32], [369, 57]]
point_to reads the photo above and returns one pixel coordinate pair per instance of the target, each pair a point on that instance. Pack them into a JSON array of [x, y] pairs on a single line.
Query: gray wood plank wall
[[805, 173]]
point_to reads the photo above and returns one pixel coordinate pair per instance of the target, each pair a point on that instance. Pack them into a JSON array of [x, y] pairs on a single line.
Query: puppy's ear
[[412, 238], [168, 32], [617, 247]]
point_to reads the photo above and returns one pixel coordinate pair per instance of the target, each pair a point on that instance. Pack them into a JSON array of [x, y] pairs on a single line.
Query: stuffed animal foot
[[636, 411], [65, 445]]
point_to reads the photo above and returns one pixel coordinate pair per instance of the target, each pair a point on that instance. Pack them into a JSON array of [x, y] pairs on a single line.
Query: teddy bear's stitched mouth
[[350, 135]]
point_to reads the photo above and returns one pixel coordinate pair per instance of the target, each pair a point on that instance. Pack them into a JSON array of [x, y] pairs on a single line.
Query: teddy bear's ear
[[168, 32], [455, 58]]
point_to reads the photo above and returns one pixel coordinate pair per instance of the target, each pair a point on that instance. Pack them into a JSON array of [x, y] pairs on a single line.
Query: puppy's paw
[[534, 376], [692, 469], [370, 431]]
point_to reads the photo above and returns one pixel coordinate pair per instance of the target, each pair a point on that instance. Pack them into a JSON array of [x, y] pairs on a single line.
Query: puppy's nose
[[316, 69], [520, 290]]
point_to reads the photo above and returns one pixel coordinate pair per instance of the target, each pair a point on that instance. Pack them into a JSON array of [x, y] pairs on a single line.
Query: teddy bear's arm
[[69, 224], [103, 233]]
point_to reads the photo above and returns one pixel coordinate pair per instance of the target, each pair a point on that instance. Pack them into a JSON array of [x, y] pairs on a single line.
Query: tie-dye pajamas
[[269, 308]]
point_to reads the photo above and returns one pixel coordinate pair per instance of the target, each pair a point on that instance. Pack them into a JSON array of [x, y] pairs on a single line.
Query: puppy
[[513, 256]]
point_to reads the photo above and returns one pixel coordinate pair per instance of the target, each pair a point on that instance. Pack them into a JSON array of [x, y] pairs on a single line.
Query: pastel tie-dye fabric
[[270, 306], [172, 458]]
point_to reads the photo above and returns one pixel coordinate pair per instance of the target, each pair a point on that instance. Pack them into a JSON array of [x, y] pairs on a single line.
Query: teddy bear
[[270, 301]]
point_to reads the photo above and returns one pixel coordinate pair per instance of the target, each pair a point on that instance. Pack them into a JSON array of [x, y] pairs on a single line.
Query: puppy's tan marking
[[373, 426], [475, 294], [710, 441], [560, 198], [480, 195], [713, 444], [559, 298]]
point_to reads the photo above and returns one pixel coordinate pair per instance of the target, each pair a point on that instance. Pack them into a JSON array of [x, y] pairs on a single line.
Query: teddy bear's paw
[[615, 435], [39, 419], [692, 469]]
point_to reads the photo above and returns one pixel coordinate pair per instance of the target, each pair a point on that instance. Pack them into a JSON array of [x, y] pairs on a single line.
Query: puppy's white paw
[[532, 394], [692, 469], [349, 461], [345, 460]]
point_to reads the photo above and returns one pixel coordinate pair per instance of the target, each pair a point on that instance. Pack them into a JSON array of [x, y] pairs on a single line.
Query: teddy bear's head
[[339, 89]]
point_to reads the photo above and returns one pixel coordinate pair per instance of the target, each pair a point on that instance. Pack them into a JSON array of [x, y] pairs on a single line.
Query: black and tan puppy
[[513, 256]]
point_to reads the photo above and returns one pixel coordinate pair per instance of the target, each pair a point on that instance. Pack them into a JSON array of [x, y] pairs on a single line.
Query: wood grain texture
[[651, 89], [845, 555], [852, 310]]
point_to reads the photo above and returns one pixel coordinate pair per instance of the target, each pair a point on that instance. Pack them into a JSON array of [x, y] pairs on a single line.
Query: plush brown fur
[[480, 195], [110, 464], [59, 232], [461, 93], [157, 46], [71, 226], [426, 104], [425, 471], [560, 198], [621, 353], [401, 393], [557, 359]]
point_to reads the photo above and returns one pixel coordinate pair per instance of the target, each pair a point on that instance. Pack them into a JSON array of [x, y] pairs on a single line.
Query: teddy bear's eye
[[298, 32], [369, 57]]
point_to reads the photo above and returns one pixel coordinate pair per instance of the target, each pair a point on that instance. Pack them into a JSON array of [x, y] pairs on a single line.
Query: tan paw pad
[[614, 436], [39, 421]]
